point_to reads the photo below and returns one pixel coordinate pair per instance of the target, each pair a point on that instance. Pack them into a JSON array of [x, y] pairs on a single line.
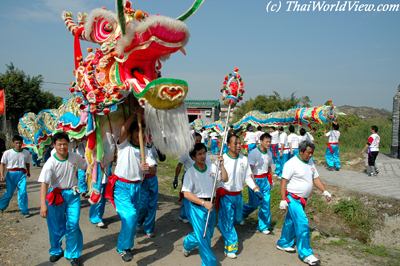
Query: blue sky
[[353, 58]]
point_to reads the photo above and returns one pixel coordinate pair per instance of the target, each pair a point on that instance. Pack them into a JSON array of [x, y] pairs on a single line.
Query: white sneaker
[[242, 222], [150, 235], [231, 255], [185, 221], [266, 232], [101, 225], [186, 253], [287, 249], [311, 260]]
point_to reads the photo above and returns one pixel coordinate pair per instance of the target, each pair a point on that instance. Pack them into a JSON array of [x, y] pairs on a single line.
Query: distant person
[[250, 139], [373, 150], [298, 177], [16, 162], [332, 155], [214, 142], [259, 132], [274, 146], [204, 136], [186, 161], [283, 150], [305, 136], [293, 140]]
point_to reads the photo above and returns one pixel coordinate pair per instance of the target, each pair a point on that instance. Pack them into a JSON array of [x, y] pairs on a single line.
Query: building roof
[[202, 103]]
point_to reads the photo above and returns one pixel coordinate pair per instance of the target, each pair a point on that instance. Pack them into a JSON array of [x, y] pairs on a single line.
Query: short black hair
[[265, 135], [304, 144], [60, 135], [17, 138], [197, 147], [281, 129], [374, 128], [273, 128], [228, 139], [302, 131], [259, 128], [197, 134], [291, 129], [335, 126]]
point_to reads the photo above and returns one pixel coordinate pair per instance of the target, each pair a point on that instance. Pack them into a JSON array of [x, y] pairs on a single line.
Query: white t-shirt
[[204, 136], [239, 172], [15, 159], [283, 139], [274, 137], [333, 136], [300, 176], [128, 161], [306, 137], [293, 139], [260, 161], [62, 174], [258, 135], [373, 141], [250, 137], [214, 135], [200, 183]]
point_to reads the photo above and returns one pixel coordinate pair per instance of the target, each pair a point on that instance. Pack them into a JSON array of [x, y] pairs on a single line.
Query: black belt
[[205, 199]]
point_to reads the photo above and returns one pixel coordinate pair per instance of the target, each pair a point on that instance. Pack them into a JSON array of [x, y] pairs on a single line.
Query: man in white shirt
[[124, 185], [260, 161], [259, 132], [16, 162], [186, 161], [250, 139], [275, 148], [149, 196], [214, 142], [60, 200], [293, 140], [204, 136], [229, 194], [284, 150], [332, 155], [298, 177], [198, 189], [373, 150]]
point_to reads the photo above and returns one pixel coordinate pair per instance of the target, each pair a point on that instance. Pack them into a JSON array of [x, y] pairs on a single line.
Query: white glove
[[283, 205], [75, 190], [327, 194]]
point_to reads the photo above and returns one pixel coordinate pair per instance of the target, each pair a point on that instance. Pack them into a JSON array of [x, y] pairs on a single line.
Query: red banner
[[2, 102]]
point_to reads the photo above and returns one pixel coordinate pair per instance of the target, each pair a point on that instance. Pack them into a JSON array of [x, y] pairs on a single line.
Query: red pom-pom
[[106, 111]]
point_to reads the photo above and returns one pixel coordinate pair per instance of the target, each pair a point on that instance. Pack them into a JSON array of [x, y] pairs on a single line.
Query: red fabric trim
[[112, 179], [370, 140], [261, 176], [303, 201], [55, 197], [16, 170], [77, 46], [222, 192], [274, 149], [269, 176], [329, 144]]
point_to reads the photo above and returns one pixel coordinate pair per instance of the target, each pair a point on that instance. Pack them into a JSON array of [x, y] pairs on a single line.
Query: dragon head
[[129, 58]]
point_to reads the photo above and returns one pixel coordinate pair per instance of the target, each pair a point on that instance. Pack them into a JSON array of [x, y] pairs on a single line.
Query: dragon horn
[[72, 26], [195, 6]]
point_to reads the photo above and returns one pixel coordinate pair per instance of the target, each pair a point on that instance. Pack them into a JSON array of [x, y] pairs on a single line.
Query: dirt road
[[24, 241]]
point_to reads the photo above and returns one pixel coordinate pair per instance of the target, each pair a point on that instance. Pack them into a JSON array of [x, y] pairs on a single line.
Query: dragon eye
[[108, 28]]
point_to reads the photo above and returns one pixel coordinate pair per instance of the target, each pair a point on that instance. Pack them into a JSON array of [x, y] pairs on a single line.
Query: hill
[[365, 112]]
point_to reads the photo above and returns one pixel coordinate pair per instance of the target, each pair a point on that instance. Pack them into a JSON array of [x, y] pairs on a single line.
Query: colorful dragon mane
[[120, 78]]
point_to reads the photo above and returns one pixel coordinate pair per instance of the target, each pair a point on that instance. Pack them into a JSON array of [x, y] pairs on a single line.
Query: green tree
[[270, 103], [24, 94]]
